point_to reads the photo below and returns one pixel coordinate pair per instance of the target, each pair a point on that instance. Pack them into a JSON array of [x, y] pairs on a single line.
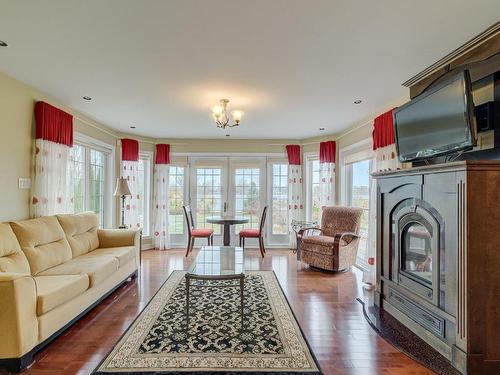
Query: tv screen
[[437, 122]]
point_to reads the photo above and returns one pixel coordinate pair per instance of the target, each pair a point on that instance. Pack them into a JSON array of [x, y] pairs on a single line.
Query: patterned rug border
[[190, 372]]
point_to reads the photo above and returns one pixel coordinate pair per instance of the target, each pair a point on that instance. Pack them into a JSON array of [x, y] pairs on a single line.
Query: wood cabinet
[[438, 258]]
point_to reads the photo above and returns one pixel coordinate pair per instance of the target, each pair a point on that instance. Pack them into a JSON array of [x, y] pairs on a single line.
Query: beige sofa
[[52, 271]]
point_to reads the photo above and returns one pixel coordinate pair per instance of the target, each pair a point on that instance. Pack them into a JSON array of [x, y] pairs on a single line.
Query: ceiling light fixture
[[358, 101], [3, 44], [228, 135], [321, 129], [88, 98], [132, 127], [221, 115]]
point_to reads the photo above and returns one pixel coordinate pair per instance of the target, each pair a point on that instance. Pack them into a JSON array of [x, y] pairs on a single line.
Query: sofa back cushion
[[12, 259], [43, 241], [81, 232]]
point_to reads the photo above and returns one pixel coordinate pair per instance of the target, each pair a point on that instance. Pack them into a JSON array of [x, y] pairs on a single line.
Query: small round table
[[227, 221]]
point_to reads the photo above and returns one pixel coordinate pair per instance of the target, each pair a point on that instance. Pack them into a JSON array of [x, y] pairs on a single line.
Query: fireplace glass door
[[416, 252]]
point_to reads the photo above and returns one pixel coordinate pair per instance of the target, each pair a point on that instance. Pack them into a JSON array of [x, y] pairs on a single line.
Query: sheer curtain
[[160, 197], [130, 171], [384, 159], [327, 155], [295, 190], [52, 191]]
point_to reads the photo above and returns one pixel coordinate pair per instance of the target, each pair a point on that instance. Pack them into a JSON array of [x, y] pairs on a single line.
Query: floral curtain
[[52, 191], [327, 154], [130, 171], [384, 159], [295, 190], [160, 197]]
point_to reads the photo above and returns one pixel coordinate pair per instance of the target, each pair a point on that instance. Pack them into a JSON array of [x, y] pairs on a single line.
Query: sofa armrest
[[18, 319], [119, 237]]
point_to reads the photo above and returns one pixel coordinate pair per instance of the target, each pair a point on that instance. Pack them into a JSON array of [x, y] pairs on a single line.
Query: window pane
[[360, 197], [176, 200], [96, 184], [280, 199], [208, 197], [143, 189], [315, 191], [78, 157], [247, 196]]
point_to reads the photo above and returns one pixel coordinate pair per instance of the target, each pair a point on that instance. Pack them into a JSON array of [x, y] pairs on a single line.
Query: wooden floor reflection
[[324, 304]]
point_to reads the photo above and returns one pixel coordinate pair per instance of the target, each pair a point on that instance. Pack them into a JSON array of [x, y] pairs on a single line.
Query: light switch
[[24, 183]]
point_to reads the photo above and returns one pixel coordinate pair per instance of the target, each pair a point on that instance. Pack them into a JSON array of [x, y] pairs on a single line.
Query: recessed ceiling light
[[358, 101], [3, 44], [86, 98], [132, 127], [228, 135], [321, 129]]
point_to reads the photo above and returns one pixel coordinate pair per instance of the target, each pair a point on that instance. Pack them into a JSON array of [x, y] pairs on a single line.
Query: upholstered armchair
[[336, 246]]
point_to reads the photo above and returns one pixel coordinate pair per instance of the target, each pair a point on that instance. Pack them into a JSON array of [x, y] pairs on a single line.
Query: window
[[313, 203], [247, 196], [358, 195], [96, 183], [176, 200], [89, 180], [208, 197], [279, 207], [143, 186]]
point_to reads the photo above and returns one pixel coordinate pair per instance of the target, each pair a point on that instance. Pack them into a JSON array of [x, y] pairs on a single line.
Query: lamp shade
[[122, 187]]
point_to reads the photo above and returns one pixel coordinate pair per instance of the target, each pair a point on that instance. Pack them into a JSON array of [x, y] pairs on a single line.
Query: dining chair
[[255, 233], [194, 233]]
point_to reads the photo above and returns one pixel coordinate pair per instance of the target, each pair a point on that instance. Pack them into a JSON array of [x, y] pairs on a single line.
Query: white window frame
[[148, 196], [109, 175]]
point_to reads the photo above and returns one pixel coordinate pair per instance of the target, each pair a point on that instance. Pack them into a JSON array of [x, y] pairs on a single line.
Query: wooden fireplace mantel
[[459, 313]]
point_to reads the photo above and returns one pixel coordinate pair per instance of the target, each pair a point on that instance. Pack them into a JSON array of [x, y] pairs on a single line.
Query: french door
[[227, 186]]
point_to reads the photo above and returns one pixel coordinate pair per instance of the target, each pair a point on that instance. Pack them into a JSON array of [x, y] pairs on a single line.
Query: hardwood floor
[[324, 303]]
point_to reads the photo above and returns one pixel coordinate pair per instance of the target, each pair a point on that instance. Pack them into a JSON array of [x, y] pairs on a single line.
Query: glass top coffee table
[[217, 263]]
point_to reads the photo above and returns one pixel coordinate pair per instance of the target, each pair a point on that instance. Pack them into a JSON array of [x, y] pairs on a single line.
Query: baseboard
[[21, 363]]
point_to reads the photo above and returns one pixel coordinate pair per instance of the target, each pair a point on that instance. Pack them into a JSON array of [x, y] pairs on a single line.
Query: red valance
[[383, 130], [162, 154], [327, 152], [53, 124], [130, 150], [293, 152]]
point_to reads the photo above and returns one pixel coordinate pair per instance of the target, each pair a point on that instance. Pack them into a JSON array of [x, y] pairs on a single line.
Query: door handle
[[225, 207]]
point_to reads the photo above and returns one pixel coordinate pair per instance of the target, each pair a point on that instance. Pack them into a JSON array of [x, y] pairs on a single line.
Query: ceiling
[[293, 66]]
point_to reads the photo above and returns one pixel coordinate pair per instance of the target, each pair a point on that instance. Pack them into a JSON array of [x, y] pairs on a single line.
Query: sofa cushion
[[12, 259], [97, 268], [53, 291], [81, 232], [43, 241], [122, 254]]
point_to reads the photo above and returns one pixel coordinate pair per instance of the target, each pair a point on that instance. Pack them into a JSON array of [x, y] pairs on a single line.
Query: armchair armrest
[[18, 319], [340, 236], [119, 237]]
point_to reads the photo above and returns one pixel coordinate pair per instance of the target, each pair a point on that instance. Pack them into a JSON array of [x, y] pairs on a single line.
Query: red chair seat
[[202, 232], [249, 233]]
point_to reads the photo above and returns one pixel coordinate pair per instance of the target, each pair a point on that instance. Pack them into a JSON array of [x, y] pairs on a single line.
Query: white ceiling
[[293, 66]]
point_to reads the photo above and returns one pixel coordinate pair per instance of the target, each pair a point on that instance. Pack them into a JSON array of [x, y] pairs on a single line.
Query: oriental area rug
[[213, 340]]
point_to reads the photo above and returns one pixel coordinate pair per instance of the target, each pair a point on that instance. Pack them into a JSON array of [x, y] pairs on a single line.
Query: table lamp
[[122, 191]]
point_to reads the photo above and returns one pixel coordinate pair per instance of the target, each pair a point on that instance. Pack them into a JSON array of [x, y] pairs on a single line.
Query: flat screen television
[[438, 122]]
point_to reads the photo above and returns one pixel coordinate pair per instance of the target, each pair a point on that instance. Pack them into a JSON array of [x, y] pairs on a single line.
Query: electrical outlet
[[24, 183]]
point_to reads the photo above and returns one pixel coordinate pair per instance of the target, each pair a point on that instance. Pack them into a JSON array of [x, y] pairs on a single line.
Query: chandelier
[[221, 115]]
